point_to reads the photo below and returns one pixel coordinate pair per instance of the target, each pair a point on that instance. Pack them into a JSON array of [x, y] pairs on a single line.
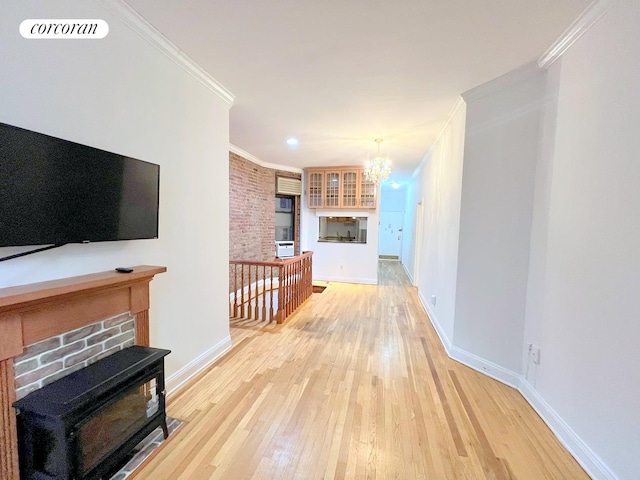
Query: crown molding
[[457, 106], [256, 160], [579, 27], [148, 32]]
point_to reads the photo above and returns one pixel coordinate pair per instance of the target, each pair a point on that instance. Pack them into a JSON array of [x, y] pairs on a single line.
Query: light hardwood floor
[[355, 385]]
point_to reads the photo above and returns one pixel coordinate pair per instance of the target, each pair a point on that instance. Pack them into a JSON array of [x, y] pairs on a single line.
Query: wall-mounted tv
[[54, 191]]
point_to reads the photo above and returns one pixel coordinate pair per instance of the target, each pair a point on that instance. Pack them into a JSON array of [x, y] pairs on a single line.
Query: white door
[[390, 241]]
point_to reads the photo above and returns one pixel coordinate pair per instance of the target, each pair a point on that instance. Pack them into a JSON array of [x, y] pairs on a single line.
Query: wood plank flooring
[[354, 385]]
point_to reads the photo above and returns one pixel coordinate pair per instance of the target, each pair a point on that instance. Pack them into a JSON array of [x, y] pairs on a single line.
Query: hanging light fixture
[[378, 168]]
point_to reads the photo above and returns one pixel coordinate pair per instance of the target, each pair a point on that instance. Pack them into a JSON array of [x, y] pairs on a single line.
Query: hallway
[[354, 385]]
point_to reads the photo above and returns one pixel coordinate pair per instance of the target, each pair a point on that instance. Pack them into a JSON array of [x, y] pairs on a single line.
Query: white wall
[[438, 185], [584, 301], [341, 262], [409, 228], [500, 154], [547, 194], [123, 95], [392, 200]]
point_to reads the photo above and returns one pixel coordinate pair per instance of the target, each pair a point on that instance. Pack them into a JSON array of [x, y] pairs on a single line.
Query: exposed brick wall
[[56, 357], [252, 213]]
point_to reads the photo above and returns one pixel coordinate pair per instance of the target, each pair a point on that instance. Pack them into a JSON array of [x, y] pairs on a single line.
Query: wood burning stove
[[85, 424]]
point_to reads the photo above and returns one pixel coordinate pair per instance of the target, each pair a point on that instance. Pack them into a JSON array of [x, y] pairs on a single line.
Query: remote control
[[124, 270]]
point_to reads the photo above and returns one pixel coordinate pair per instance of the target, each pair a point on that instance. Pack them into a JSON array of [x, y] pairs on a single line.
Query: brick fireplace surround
[[32, 313]]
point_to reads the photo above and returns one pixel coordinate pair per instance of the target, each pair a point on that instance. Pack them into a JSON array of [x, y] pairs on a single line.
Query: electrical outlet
[[433, 300], [535, 353]]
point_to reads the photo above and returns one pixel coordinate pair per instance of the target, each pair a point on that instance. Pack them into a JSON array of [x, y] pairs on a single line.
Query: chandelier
[[378, 168]]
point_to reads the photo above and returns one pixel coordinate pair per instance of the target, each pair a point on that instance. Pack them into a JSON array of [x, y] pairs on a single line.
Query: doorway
[[390, 237]]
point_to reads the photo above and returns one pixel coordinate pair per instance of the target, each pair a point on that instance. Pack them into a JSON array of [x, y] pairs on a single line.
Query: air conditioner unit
[[285, 248], [288, 186]]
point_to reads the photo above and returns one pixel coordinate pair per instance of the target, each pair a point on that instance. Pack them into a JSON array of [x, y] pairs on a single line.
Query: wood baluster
[[299, 284], [256, 303], [285, 293], [307, 278], [281, 294], [242, 290], [294, 288], [287, 306], [235, 290], [256, 293], [249, 299], [238, 290], [264, 291], [303, 279], [254, 300], [271, 291]]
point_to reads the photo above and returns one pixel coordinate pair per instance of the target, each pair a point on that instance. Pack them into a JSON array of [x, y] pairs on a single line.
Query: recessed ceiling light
[[292, 142], [395, 185]]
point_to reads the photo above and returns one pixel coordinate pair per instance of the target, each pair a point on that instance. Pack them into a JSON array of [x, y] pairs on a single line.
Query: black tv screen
[[54, 191]]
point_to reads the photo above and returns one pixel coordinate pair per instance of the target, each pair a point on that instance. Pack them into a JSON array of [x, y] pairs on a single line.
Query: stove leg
[[165, 430]]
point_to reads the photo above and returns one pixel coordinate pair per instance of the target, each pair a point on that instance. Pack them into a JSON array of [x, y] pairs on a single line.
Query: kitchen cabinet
[[315, 189], [341, 188]]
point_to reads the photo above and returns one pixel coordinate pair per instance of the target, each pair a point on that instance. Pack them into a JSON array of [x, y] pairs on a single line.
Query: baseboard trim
[[182, 376], [586, 457], [409, 274], [365, 281], [481, 365], [446, 343], [583, 454], [471, 360]]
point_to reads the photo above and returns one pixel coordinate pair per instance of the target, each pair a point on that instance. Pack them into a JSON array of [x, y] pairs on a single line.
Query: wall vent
[[288, 186]]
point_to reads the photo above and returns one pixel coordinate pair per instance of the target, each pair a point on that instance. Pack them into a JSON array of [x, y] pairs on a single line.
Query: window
[[285, 218]]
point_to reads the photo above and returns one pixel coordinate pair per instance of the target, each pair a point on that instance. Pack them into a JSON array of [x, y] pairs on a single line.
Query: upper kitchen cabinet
[[340, 187], [315, 189]]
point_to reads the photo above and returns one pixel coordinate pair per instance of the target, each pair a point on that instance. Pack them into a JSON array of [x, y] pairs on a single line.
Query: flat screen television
[[54, 191]]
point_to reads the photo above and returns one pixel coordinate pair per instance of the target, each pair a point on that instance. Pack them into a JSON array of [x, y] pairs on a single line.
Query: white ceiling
[[336, 74]]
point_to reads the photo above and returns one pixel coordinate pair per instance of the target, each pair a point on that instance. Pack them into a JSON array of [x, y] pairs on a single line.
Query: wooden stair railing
[[255, 284]]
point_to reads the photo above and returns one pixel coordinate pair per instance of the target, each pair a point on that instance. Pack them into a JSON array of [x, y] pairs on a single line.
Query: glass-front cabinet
[[340, 187], [349, 197], [316, 182], [367, 194], [331, 189]]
